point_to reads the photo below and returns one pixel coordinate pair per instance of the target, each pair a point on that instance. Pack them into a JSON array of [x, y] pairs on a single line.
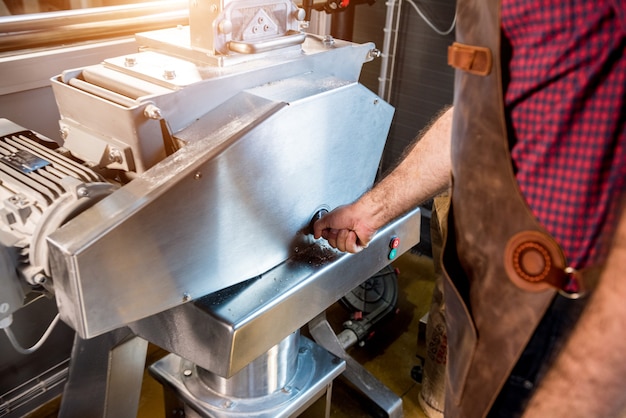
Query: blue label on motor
[[25, 161]]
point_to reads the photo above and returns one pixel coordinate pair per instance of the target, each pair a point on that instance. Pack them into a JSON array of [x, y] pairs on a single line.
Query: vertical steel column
[[105, 376]]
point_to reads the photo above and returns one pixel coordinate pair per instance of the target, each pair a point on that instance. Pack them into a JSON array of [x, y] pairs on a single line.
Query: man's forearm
[[423, 173], [589, 376]]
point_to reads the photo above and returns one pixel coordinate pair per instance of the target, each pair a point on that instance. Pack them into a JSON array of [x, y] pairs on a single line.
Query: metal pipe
[[72, 26], [387, 97], [388, 29]]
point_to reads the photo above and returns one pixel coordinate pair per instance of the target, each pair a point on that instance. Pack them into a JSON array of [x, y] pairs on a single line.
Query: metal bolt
[[197, 176], [187, 372], [169, 74], [328, 40], [130, 61], [152, 112], [40, 278], [115, 156], [64, 133], [186, 297], [374, 53], [82, 192]]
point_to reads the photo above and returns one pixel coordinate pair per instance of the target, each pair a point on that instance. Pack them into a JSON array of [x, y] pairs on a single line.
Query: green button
[[392, 254]]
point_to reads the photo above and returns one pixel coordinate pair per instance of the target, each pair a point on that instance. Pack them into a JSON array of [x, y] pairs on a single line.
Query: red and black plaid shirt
[[565, 93]]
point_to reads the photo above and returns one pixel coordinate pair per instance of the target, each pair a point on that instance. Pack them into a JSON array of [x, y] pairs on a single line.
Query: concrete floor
[[390, 354]]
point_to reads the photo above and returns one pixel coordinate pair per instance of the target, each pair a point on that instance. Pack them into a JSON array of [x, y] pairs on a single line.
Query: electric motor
[[41, 188]]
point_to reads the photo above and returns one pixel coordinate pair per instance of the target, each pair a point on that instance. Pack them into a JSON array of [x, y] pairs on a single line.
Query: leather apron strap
[[490, 319]]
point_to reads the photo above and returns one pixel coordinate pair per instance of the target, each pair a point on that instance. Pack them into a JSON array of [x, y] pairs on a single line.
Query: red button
[[395, 242]]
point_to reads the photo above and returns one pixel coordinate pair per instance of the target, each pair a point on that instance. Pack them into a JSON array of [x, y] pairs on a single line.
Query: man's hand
[[345, 228]]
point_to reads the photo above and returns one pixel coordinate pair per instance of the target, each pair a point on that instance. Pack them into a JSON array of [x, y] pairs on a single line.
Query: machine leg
[[366, 382], [105, 376]]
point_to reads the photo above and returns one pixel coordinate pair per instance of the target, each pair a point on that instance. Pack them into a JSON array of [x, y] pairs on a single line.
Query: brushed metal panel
[[227, 207], [249, 318]]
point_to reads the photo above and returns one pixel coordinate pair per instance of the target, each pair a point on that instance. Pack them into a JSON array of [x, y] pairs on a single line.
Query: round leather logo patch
[[534, 261]]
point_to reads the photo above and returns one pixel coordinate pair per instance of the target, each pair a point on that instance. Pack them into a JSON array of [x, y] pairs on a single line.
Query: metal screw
[[152, 112], [82, 192], [187, 372], [374, 53], [186, 297], [64, 133], [169, 74], [115, 156], [40, 278], [197, 176]]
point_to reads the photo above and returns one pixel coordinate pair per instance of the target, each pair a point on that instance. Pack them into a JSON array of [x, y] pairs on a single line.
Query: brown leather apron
[[491, 229]]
